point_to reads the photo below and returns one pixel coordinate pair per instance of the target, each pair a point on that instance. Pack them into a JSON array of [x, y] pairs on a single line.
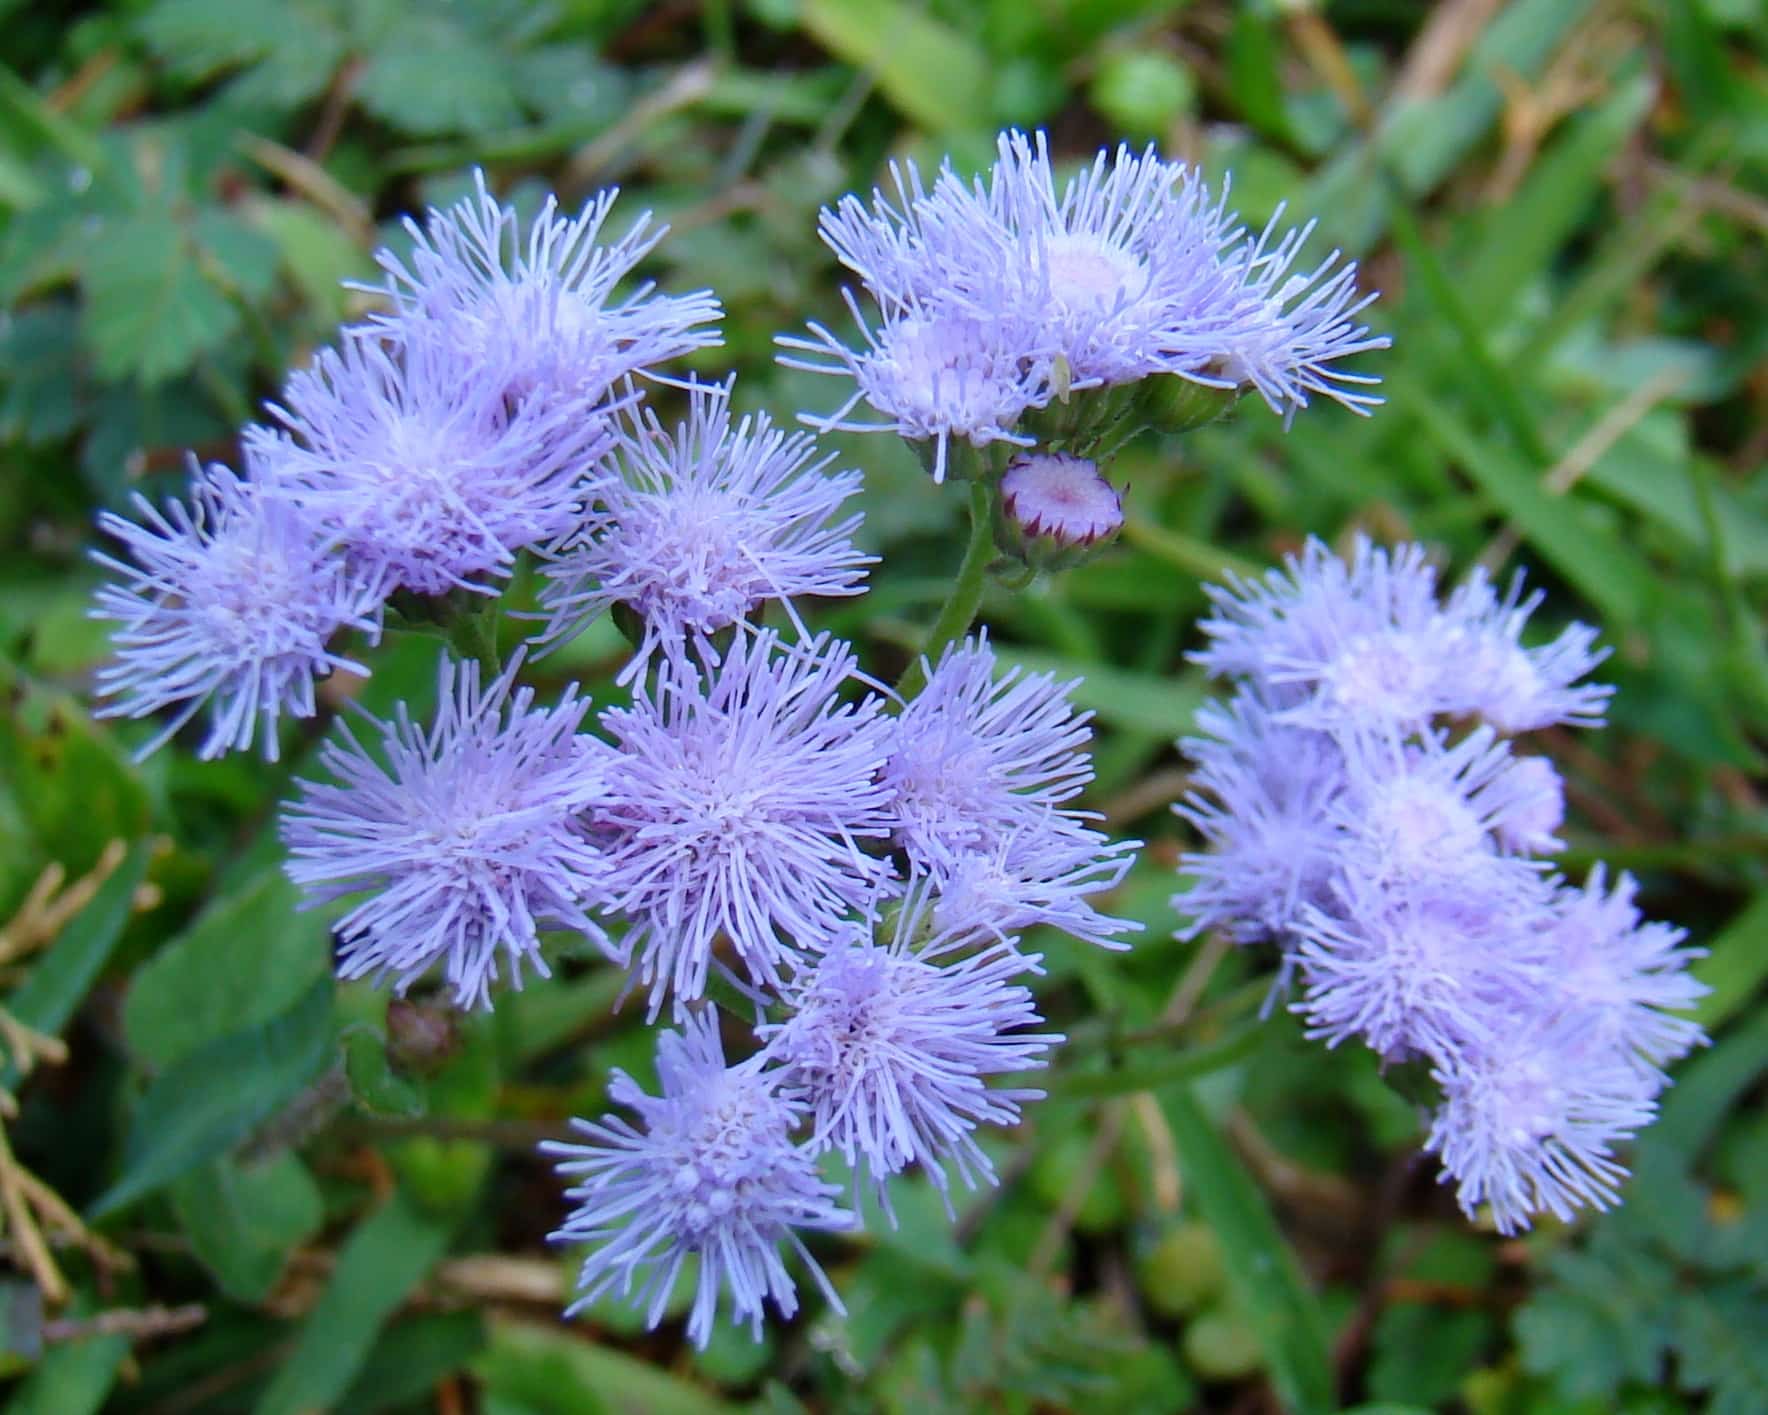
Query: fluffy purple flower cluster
[[466, 423], [1365, 813], [998, 297], [858, 869]]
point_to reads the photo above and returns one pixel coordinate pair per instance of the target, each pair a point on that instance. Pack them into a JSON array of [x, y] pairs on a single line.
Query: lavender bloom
[[736, 805], [713, 1173], [230, 602], [1517, 689], [889, 1047], [1041, 874], [1394, 865], [1262, 797], [467, 842], [1426, 810], [1529, 1122], [1055, 508], [932, 375], [412, 456], [695, 531], [538, 315], [1131, 270], [1620, 976], [1366, 641], [1423, 967], [975, 757]]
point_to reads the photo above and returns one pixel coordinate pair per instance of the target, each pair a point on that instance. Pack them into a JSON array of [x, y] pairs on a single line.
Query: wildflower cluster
[[1011, 310], [1367, 815], [852, 865]]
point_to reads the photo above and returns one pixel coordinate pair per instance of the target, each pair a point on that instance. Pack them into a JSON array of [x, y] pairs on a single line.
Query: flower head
[[1042, 874], [1023, 290], [467, 840], [890, 1046], [412, 456], [1529, 1121], [231, 603], [697, 529], [737, 805], [1349, 644], [975, 757], [1055, 509], [538, 313], [712, 1173]]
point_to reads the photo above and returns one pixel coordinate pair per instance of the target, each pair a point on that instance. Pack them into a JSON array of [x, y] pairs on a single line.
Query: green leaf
[[247, 959], [1121, 697], [1735, 965], [1147, 1075], [39, 374], [935, 75], [72, 1379], [149, 311], [189, 1115], [410, 1358], [318, 255], [200, 38], [62, 976], [378, 1089], [1262, 1271], [243, 1220], [557, 1372], [1606, 572], [390, 1252], [427, 77]]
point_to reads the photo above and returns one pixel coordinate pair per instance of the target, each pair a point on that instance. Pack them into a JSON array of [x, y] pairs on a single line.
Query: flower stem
[[959, 610], [473, 635]]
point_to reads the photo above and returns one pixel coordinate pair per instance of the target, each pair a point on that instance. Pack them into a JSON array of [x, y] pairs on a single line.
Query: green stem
[[959, 610], [474, 637]]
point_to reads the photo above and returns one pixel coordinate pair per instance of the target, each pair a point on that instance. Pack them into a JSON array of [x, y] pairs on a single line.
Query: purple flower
[[467, 841], [1040, 874], [931, 374], [1621, 976], [1513, 688], [1426, 810], [1355, 642], [890, 1045], [1530, 1119], [697, 530], [975, 758], [413, 457], [1262, 797], [713, 1173], [230, 603], [1351, 644], [737, 804], [1054, 503], [1424, 967], [537, 314], [1025, 292]]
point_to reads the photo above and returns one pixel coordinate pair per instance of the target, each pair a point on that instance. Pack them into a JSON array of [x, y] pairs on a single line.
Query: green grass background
[[1563, 204]]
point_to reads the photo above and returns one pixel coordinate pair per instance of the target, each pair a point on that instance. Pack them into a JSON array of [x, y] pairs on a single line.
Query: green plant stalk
[[959, 610], [474, 638]]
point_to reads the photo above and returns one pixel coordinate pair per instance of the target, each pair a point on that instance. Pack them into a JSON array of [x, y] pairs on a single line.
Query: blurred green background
[[1563, 203]]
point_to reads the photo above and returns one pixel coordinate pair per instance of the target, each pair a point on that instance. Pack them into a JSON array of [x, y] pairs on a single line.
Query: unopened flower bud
[[1056, 510]]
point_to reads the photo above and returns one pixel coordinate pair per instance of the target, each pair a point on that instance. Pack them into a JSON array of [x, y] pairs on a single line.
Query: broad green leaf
[[390, 1252], [1262, 1271], [935, 75], [71, 1379], [1148, 1075], [61, 978], [218, 1094], [199, 38], [428, 77], [150, 312], [248, 958], [317, 253], [244, 1219], [556, 1371]]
